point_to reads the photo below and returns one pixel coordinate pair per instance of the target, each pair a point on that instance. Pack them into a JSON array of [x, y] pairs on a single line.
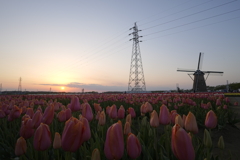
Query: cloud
[[90, 87]]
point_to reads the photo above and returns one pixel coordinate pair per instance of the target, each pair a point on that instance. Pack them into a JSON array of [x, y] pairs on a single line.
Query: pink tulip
[[97, 107], [42, 138], [179, 120], [218, 102], [37, 118], [211, 120], [61, 116], [148, 107], [225, 106], [30, 112], [68, 113], [154, 120], [87, 111], [121, 112], [127, 128], [114, 143], [14, 113], [181, 144], [133, 146], [48, 115], [87, 132], [191, 123], [132, 112], [75, 104], [27, 128], [108, 110], [20, 147], [72, 135], [129, 118], [143, 109], [164, 115], [102, 118], [113, 112], [57, 142], [173, 115]]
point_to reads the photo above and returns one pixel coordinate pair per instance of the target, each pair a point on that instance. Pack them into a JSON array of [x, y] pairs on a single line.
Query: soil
[[231, 136]]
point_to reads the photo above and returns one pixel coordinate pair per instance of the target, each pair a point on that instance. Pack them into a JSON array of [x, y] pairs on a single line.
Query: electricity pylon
[[136, 77], [20, 85]]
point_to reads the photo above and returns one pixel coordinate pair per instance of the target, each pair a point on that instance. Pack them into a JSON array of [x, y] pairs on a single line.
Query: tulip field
[[151, 126]]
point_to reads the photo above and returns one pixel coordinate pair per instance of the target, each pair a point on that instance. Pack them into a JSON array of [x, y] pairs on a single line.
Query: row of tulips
[[144, 126]]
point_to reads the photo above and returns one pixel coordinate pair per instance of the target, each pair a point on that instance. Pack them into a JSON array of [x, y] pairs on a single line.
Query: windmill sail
[[199, 82]]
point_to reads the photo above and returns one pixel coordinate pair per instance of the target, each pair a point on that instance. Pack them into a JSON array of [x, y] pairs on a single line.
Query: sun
[[62, 88]]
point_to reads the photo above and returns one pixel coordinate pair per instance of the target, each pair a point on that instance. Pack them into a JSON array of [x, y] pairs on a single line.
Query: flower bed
[[112, 126]]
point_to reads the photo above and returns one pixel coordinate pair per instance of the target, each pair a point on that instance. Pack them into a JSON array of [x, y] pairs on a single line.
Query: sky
[[74, 45]]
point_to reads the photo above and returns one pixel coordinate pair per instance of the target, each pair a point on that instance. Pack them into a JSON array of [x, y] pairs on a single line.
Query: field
[[167, 126]]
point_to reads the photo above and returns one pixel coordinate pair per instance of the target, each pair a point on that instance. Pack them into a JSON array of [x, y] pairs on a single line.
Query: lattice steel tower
[[20, 85], [136, 77]]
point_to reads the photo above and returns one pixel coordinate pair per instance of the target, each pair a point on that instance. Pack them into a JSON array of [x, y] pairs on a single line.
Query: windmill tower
[[199, 82], [136, 77]]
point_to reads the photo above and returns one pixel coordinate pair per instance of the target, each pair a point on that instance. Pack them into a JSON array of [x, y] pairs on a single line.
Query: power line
[[193, 22], [162, 12], [190, 29], [176, 12], [88, 56], [87, 61], [191, 14]]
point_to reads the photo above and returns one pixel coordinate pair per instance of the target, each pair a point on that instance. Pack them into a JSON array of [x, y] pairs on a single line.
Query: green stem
[[155, 142]]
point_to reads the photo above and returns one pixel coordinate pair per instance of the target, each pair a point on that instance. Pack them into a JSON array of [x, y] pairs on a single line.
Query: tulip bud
[[121, 112], [148, 107], [72, 135], [97, 107], [127, 128], [218, 102], [97, 115], [114, 143], [211, 120], [154, 121], [14, 113], [37, 118], [61, 116], [48, 114], [207, 141], [191, 123], [75, 104], [129, 118], [133, 146], [87, 132], [132, 112], [57, 141], [20, 147], [42, 138], [96, 155], [179, 120], [30, 112], [27, 128], [102, 119], [87, 111], [164, 115], [221, 143], [181, 144], [113, 112]]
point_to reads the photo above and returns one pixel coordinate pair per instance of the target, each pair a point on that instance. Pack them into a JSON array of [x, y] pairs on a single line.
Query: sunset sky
[[74, 45]]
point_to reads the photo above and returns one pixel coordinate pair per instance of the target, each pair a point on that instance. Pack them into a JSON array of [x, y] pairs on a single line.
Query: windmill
[[199, 82]]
